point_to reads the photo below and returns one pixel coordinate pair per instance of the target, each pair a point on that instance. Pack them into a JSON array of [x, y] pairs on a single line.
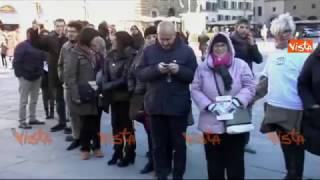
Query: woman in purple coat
[[222, 74]]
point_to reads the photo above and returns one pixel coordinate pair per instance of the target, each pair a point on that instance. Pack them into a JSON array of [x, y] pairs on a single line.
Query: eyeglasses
[[287, 31]]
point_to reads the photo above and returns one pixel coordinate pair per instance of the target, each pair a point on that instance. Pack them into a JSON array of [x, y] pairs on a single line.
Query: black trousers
[[166, 131], [4, 61], [60, 103], [169, 148], [228, 155], [90, 128], [293, 155], [122, 129], [47, 98]]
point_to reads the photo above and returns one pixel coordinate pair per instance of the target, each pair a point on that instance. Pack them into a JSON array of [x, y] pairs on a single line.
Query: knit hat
[[150, 30], [220, 39]]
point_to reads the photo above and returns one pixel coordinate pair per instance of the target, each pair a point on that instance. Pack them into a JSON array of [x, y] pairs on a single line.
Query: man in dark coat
[[246, 49], [52, 44], [168, 68], [28, 68]]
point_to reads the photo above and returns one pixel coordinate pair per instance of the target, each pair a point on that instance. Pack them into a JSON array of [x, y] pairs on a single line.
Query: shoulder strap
[[216, 82]]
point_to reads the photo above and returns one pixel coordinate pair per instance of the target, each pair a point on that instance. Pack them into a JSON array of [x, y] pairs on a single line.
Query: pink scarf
[[224, 60]]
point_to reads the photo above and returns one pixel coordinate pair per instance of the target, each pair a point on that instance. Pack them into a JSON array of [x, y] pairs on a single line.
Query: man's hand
[[174, 68], [251, 39], [163, 68]]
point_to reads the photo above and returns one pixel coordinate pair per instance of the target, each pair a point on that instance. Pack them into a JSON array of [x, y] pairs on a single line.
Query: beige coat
[[78, 71]]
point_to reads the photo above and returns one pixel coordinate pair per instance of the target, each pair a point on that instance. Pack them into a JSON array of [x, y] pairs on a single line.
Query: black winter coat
[[163, 97], [309, 92]]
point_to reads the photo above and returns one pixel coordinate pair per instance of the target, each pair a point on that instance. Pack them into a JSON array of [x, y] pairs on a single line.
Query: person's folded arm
[[186, 72]]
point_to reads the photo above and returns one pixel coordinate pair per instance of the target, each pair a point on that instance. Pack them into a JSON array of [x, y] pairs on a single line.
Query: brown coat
[[79, 71]]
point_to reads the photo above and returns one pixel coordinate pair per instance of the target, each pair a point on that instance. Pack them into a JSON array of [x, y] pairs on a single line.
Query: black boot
[[128, 159], [115, 157], [147, 168], [47, 113]]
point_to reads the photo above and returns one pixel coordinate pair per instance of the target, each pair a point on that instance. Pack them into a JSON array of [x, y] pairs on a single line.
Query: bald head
[[166, 27], [166, 34]]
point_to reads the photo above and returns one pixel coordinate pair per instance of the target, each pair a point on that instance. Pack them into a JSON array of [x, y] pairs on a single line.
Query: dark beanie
[[220, 39], [150, 30]]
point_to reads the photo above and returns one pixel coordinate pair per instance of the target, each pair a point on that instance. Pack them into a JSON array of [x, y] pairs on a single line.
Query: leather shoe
[[58, 127], [85, 155], [25, 125], [67, 130], [36, 122], [73, 145], [147, 168], [69, 138], [98, 153]]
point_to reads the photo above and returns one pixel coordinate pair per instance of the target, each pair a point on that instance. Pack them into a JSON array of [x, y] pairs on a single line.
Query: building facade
[[266, 10]]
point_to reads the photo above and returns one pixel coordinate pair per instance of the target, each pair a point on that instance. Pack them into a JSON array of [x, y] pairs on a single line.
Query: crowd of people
[[153, 76]]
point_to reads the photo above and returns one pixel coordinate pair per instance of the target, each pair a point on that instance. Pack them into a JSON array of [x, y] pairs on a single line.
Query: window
[[208, 6], [240, 5], [274, 9], [220, 17], [214, 6], [313, 6], [225, 5], [250, 17], [248, 5], [207, 18], [259, 11], [234, 17], [227, 18], [233, 5], [219, 4], [294, 7]]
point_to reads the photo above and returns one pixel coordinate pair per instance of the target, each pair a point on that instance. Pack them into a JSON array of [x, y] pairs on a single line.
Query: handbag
[[241, 122], [87, 93]]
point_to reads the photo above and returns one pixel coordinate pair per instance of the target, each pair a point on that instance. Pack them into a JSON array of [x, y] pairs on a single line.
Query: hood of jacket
[[208, 58]]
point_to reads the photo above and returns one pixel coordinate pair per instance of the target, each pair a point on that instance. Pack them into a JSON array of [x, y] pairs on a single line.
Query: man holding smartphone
[[246, 49], [168, 68]]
